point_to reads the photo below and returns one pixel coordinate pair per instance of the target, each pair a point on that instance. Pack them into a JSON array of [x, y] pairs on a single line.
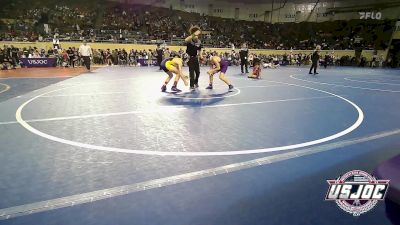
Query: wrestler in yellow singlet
[[171, 66]]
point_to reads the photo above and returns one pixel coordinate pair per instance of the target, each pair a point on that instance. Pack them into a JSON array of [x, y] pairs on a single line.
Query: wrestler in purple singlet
[[223, 65]]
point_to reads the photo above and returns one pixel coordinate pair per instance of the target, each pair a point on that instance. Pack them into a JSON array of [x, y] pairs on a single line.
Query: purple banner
[[144, 62], [38, 62]]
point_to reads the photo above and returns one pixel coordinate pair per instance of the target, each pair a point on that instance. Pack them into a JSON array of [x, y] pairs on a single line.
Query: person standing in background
[[3, 60], [70, 53], [326, 60], [203, 58], [315, 59], [115, 57], [85, 51], [167, 53], [244, 54], [56, 43], [77, 62], [160, 53], [14, 57], [150, 58], [109, 59]]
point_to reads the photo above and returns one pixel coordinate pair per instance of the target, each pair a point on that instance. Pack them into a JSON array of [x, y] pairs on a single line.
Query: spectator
[[85, 51]]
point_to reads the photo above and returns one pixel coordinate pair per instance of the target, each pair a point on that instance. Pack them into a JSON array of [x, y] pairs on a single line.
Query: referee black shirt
[[160, 52], [244, 53], [193, 47], [315, 57]]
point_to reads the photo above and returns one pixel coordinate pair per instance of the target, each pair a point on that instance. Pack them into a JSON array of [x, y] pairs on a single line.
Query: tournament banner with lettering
[[144, 62], [38, 62]]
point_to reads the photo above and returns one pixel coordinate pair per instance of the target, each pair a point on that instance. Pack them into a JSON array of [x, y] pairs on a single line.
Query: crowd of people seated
[[134, 23], [10, 57]]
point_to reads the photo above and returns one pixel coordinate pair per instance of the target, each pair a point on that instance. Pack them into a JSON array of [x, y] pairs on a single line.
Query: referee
[[85, 51], [194, 46], [244, 54]]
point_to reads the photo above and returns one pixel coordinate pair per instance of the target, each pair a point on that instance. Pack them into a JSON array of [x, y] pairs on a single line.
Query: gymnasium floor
[[108, 147]]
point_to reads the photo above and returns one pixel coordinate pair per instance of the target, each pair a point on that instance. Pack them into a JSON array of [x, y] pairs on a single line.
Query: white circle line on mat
[[370, 82], [7, 87], [345, 86], [354, 126]]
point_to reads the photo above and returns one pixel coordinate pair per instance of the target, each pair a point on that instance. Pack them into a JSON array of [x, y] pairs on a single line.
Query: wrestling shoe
[[175, 89]]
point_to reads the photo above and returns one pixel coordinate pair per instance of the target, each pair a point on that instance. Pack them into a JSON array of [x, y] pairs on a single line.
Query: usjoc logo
[[37, 61], [356, 192]]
